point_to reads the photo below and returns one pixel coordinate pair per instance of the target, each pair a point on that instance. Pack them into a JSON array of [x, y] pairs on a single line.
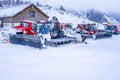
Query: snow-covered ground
[[98, 60]]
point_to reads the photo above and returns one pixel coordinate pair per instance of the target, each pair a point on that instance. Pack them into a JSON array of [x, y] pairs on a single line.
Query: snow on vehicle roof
[[12, 10], [28, 21]]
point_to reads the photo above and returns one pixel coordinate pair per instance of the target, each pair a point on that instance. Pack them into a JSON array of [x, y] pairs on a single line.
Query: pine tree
[[37, 4], [22, 2], [5, 2], [9, 2], [17, 2], [62, 8]]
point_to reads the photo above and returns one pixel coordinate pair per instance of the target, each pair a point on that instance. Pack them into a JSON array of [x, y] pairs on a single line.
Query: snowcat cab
[[87, 29], [68, 25], [90, 28], [26, 27], [44, 29], [112, 28]]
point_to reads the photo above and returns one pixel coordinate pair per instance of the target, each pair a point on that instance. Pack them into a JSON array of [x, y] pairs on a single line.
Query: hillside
[[64, 16], [87, 11], [87, 15]]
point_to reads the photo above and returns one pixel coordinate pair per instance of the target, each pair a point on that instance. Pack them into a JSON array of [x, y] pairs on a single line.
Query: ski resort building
[[12, 15]]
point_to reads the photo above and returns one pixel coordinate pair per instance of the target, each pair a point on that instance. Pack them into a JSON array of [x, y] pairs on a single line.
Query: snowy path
[[99, 60]]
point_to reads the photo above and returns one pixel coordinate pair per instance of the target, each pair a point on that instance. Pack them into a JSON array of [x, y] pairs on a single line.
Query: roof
[[12, 11]]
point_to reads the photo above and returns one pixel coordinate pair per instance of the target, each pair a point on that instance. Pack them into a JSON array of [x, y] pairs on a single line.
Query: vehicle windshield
[[111, 27], [90, 27], [69, 26], [34, 27], [43, 28], [23, 24]]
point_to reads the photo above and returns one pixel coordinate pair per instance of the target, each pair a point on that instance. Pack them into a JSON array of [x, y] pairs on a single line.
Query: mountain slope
[[99, 16], [64, 16], [93, 13]]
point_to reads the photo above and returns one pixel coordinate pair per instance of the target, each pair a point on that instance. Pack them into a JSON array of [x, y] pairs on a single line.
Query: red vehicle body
[[112, 28], [26, 27], [87, 28]]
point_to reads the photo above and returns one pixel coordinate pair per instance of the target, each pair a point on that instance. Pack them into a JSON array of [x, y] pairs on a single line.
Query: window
[[32, 13], [34, 27], [24, 24]]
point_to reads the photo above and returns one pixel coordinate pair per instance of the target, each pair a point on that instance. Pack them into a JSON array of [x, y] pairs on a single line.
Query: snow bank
[[5, 33]]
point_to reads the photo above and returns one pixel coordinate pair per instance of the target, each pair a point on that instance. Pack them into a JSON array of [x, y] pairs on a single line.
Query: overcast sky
[[103, 5]]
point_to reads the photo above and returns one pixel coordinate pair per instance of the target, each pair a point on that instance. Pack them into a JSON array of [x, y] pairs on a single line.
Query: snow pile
[[5, 33]]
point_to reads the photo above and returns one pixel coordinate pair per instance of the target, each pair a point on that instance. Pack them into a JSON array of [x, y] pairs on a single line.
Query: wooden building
[[11, 16]]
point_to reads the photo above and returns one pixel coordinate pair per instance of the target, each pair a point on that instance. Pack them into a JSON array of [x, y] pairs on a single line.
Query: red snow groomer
[[29, 33], [113, 28], [92, 31]]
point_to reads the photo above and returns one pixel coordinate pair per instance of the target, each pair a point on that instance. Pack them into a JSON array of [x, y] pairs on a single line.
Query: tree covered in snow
[[1, 4], [14, 2], [62, 8]]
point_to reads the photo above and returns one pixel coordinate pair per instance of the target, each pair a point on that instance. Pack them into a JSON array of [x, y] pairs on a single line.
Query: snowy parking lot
[[98, 60]]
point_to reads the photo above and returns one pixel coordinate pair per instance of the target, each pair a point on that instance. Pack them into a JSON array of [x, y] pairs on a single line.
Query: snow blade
[[102, 34], [29, 40]]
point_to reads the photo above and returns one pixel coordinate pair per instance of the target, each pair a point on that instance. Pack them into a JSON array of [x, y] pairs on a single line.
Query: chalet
[[11, 16]]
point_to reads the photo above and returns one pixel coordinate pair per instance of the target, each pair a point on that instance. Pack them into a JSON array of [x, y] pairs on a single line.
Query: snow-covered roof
[[12, 10]]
